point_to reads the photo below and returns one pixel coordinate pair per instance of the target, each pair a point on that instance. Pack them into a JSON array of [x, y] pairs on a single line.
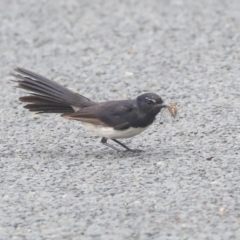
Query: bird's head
[[150, 103]]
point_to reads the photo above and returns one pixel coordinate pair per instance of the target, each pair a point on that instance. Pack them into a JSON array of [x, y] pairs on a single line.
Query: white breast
[[109, 132]]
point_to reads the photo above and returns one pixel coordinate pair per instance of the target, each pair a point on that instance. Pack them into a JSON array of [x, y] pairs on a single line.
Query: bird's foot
[[134, 150]]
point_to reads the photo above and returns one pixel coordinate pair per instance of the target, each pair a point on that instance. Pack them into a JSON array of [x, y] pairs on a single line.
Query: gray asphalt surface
[[58, 182]]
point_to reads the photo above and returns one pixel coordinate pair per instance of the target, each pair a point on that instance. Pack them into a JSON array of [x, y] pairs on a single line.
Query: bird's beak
[[163, 105]]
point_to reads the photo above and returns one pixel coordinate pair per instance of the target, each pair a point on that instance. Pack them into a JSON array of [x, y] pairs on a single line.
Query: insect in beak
[[172, 108]]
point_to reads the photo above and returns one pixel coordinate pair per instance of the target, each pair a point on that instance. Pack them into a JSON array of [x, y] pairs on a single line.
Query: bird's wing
[[85, 115], [111, 114]]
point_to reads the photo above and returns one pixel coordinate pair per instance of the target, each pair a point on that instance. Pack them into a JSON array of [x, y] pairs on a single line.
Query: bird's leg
[[127, 148], [104, 141]]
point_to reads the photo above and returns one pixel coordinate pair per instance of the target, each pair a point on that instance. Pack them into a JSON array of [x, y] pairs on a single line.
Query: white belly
[[108, 132]]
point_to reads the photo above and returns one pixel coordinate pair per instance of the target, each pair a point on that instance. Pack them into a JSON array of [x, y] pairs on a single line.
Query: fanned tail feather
[[48, 96]]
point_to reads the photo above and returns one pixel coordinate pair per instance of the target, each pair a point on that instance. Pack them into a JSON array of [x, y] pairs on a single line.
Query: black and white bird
[[109, 120]]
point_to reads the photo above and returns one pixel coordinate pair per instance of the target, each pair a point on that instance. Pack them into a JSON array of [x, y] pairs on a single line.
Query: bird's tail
[[48, 96]]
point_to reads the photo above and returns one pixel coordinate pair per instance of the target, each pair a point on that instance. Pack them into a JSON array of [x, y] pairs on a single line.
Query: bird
[[110, 120]]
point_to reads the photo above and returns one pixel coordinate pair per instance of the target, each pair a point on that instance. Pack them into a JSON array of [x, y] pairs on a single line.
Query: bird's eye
[[149, 101]]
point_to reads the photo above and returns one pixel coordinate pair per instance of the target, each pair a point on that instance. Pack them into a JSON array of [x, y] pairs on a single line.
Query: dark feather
[[47, 108], [112, 114], [48, 96], [47, 88], [94, 121]]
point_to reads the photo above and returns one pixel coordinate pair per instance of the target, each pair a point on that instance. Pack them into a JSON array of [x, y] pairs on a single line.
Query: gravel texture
[[58, 182]]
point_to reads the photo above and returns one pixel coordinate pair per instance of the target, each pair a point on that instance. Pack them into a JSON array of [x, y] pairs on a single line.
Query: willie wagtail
[[109, 120]]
